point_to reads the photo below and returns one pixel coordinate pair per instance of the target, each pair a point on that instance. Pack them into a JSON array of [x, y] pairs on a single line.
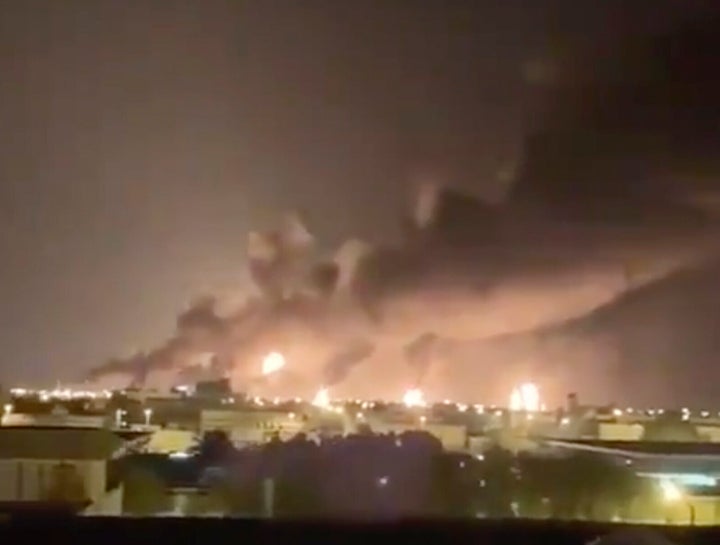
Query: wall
[[711, 434], [54, 420], [109, 504], [610, 431], [252, 426], [166, 440], [28, 480]]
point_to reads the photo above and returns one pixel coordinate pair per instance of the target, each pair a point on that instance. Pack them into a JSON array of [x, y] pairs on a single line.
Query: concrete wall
[[29, 480], [109, 504], [55, 420], [617, 431], [167, 440], [252, 426], [711, 434]]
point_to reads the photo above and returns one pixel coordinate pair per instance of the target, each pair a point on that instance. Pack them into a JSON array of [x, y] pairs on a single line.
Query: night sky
[[141, 140]]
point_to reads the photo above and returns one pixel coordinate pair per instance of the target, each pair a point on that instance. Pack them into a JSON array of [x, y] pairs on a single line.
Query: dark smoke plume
[[606, 187], [340, 365], [631, 133]]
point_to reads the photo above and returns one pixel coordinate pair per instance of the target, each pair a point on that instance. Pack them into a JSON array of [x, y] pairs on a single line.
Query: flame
[[414, 398], [525, 397], [322, 398], [272, 363]]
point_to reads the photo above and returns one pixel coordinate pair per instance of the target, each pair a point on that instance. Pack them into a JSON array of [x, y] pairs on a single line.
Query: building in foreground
[[687, 474], [61, 465]]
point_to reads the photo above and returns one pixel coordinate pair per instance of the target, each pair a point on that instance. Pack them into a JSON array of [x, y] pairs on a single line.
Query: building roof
[[40, 508], [58, 443], [646, 448]]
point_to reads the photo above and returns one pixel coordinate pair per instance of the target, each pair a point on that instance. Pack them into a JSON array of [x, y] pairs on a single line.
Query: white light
[[272, 363], [526, 397], [671, 492], [179, 455], [414, 398], [462, 407], [322, 398], [686, 479], [423, 419], [479, 409], [7, 408], [564, 421], [618, 412], [383, 481], [148, 415]]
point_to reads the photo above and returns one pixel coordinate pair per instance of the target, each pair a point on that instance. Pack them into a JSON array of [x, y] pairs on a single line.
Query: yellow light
[[671, 492]]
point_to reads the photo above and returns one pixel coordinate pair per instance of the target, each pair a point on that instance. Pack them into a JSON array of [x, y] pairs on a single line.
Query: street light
[[148, 415], [673, 494]]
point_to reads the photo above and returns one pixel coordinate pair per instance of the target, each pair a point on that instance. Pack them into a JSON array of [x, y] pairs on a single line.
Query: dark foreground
[[162, 531]]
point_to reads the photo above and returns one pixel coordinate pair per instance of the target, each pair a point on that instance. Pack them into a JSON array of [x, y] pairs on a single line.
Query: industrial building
[[61, 465]]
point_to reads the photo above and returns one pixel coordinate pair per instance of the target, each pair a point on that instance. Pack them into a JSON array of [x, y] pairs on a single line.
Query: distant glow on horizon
[[414, 398], [322, 398], [272, 363], [525, 397]]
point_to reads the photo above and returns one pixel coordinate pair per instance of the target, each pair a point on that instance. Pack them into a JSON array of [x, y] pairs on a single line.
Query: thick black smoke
[[618, 176], [663, 338], [631, 133]]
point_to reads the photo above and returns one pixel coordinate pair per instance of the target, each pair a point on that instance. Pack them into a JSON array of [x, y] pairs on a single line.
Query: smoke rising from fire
[[427, 312], [479, 297]]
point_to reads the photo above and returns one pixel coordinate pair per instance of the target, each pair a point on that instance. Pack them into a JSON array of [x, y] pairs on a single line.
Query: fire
[[414, 398], [525, 397], [272, 363], [322, 398]]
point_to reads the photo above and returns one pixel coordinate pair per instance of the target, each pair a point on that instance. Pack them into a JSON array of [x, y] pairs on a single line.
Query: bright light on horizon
[[322, 398], [272, 363], [525, 397], [414, 398]]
